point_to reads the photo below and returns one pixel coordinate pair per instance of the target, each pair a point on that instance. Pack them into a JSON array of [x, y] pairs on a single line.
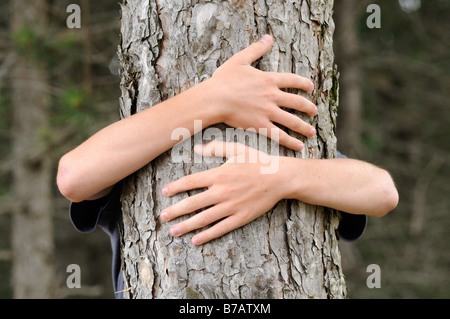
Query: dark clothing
[[105, 212]]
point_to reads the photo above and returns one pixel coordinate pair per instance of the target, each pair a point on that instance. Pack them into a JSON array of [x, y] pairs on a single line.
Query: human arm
[[237, 94], [348, 185], [238, 193]]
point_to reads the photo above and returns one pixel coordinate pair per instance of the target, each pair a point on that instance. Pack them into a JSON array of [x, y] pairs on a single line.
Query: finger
[[283, 138], [254, 51], [189, 182], [293, 122], [292, 81], [296, 102], [199, 220], [220, 149], [189, 205], [221, 228]]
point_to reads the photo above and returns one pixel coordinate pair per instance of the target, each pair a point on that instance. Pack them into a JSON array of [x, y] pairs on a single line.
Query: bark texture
[[290, 252]]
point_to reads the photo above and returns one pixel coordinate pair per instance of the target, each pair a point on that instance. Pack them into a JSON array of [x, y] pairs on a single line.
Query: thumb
[[254, 51]]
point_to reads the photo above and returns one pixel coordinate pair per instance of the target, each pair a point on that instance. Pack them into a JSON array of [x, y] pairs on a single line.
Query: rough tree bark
[[289, 252], [32, 235]]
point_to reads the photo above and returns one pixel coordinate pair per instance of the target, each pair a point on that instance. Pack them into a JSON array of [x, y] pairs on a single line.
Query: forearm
[[237, 94], [347, 185], [123, 147]]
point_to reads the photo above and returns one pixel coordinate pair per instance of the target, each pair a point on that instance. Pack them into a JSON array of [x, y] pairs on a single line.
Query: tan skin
[[118, 150], [90, 170], [238, 193]]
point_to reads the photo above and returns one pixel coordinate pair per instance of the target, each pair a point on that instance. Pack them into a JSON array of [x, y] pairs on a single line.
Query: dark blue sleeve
[[85, 215], [89, 214], [105, 213], [351, 227]]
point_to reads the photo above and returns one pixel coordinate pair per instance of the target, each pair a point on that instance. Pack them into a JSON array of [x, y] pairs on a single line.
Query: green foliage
[[26, 39], [46, 47], [372, 142], [64, 41], [74, 99], [74, 107]]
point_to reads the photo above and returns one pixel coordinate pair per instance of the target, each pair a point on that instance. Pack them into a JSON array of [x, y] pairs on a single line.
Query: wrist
[[204, 101], [216, 105], [289, 169]]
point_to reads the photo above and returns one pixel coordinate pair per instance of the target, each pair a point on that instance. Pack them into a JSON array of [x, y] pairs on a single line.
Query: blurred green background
[[394, 112]]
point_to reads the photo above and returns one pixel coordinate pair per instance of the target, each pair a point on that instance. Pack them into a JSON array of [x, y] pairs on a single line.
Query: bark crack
[[282, 254]]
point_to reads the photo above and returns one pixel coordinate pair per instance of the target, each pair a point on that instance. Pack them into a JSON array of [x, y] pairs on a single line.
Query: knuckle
[[294, 122], [188, 182], [220, 229], [270, 94], [270, 80], [272, 111], [246, 215], [301, 101], [221, 175], [190, 204], [203, 220], [309, 106], [283, 137]]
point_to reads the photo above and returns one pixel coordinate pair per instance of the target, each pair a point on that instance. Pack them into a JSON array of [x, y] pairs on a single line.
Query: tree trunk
[[33, 273], [289, 252]]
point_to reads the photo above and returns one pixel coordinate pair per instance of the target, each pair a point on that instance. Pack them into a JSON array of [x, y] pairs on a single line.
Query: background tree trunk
[[32, 235], [291, 251], [347, 44], [347, 48]]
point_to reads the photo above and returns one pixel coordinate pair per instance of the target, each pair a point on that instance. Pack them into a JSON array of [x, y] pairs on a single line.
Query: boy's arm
[[238, 193], [344, 184], [237, 94], [90, 170]]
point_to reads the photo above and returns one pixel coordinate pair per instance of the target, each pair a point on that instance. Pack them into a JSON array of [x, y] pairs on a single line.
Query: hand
[[237, 192], [251, 98]]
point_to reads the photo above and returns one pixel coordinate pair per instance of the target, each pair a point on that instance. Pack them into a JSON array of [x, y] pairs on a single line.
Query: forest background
[[394, 111]]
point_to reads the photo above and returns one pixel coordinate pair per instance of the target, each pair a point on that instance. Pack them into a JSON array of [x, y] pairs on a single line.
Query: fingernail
[[311, 86], [165, 191], [300, 146], [316, 111], [174, 231], [195, 240], [312, 132], [164, 216], [266, 39]]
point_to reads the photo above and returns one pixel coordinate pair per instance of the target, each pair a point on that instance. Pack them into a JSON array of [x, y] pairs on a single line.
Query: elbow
[[66, 181], [389, 196]]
